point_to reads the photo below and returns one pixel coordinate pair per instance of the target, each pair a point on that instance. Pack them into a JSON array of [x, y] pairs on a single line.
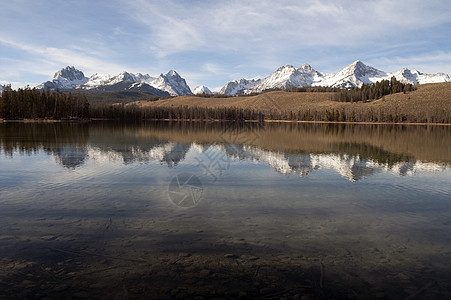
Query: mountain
[[128, 86], [202, 89], [98, 80], [311, 75], [289, 76], [415, 77], [1, 88], [172, 83], [122, 82], [239, 87], [358, 73], [354, 75], [66, 78]]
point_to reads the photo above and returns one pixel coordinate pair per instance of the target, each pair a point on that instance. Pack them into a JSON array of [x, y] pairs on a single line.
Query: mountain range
[[169, 84], [354, 75], [172, 84]]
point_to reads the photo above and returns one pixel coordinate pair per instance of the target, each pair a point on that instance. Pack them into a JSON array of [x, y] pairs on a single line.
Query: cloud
[[262, 35], [55, 58], [176, 26], [433, 62]]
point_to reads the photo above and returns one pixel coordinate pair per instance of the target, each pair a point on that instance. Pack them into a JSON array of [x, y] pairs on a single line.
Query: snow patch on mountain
[[201, 90]]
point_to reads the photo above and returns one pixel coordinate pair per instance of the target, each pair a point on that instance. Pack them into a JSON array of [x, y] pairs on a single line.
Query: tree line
[[350, 114], [374, 91], [33, 103], [134, 112]]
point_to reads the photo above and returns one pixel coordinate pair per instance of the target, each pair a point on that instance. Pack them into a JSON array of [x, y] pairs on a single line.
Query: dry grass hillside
[[436, 96], [281, 101], [428, 102]]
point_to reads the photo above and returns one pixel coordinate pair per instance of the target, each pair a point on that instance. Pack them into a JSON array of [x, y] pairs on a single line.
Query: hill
[[429, 103]]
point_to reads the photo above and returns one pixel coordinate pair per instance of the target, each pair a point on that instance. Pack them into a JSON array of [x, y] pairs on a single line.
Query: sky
[[212, 42]]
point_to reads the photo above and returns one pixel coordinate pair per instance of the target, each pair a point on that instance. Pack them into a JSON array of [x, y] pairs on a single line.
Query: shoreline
[[219, 121]]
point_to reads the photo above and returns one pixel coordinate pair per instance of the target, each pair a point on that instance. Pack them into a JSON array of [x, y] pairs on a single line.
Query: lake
[[235, 210]]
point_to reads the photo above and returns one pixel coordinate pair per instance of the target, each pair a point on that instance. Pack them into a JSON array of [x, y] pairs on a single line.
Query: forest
[[30, 103], [372, 92]]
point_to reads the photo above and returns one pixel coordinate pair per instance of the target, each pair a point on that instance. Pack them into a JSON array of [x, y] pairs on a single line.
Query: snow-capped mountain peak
[[202, 89], [238, 87], [415, 77], [311, 75], [354, 75], [66, 78], [172, 83], [361, 71], [70, 74], [172, 73], [123, 76], [306, 68], [288, 76], [407, 76]]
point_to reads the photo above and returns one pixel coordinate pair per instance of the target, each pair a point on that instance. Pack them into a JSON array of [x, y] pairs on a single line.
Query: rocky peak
[[69, 73]]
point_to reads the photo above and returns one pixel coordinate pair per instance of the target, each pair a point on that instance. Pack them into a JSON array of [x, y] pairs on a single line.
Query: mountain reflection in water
[[353, 151]]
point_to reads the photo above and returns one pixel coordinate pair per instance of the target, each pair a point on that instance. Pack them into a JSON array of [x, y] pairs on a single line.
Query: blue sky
[[212, 42]]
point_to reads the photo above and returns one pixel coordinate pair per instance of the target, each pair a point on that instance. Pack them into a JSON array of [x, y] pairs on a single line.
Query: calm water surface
[[194, 210]]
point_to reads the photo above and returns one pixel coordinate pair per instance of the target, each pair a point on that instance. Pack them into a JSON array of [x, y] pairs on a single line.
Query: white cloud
[[176, 27], [433, 62], [46, 58]]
